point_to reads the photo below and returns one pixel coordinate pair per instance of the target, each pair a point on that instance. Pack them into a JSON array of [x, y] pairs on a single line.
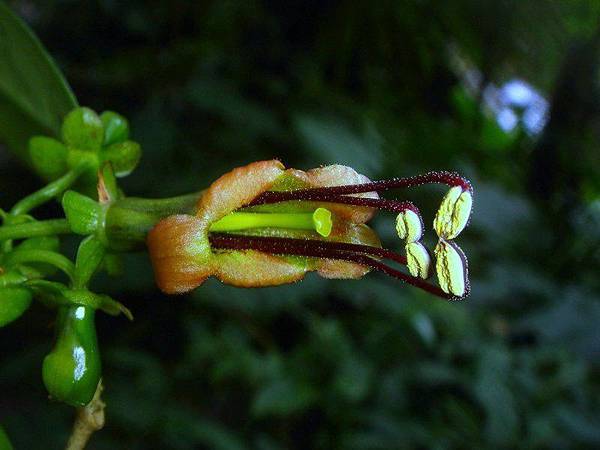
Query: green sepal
[[116, 127], [14, 301], [124, 157], [83, 214], [72, 370], [54, 294], [48, 156], [83, 129], [50, 293], [89, 257], [97, 301], [112, 307]]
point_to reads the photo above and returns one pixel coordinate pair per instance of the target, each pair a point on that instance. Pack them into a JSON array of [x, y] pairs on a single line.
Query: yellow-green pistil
[[319, 221]]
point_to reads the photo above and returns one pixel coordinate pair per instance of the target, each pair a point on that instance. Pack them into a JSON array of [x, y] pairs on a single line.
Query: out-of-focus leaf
[[4, 441], [34, 96], [352, 380], [282, 398], [496, 398], [561, 323], [184, 429], [332, 141], [583, 428]]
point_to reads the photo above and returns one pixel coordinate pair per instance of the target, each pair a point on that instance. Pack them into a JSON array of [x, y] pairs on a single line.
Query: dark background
[[506, 92]]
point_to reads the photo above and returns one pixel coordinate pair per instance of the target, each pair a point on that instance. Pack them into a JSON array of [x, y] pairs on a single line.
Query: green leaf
[[34, 96], [4, 441], [282, 398]]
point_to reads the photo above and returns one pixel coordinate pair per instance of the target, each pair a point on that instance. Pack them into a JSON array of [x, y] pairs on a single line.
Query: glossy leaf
[[34, 96]]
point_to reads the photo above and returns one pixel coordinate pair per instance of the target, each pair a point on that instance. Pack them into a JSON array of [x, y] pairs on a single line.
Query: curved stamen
[[218, 240], [322, 249], [326, 193]]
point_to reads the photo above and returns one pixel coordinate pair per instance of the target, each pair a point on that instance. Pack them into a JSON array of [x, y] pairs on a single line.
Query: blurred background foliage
[[506, 91]]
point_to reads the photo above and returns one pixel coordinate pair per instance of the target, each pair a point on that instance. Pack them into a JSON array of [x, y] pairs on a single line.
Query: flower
[[264, 225], [181, 250]]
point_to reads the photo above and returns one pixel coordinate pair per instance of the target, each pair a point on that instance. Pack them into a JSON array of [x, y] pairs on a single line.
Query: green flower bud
[[88, 180], [14, 301], [77, 157], [83, 214], [123, 156], [83, 129], [116, 128], [72, 370], [48, 156]]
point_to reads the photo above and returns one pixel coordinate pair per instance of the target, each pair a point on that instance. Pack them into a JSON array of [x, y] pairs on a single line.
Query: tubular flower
[[264, 225]]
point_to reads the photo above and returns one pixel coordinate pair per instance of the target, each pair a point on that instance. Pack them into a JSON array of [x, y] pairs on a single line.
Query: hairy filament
[[394, 206], [360, 254], [332, 193]]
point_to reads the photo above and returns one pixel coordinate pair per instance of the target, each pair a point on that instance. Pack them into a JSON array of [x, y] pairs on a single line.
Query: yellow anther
[[451, 268], [418, 260], [409, 226], [454, 213]]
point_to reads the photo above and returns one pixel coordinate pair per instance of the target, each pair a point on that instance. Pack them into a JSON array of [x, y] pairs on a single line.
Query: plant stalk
[[89, 419], [34, 229], [128, 221]]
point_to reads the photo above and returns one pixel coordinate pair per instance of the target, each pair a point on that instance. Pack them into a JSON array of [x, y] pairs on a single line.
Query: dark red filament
[[359, 254], [335, 193]]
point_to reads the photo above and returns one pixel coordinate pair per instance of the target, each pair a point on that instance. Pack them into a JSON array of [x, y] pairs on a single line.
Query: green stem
[[48, 192], [129, 220], [43, 256], [34, 229]]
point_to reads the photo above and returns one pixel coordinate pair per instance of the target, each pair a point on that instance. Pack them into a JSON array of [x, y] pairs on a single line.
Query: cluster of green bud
[[88, 139], [93, 152]]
